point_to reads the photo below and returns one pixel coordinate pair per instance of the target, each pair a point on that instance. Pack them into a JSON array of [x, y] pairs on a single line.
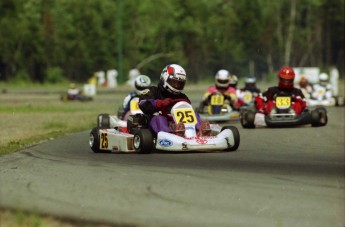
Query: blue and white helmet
[[142, 82], [173, 78]]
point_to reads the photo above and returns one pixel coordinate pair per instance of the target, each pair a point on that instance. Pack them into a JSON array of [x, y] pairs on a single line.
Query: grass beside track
[[31, 115]]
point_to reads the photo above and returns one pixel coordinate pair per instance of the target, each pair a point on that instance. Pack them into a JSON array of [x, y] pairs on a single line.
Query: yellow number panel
[[283, 102], [185, 115], [217, 100]]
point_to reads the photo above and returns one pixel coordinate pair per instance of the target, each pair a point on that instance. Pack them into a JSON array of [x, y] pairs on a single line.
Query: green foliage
[[22, 77], [54, 75], [81, 37]]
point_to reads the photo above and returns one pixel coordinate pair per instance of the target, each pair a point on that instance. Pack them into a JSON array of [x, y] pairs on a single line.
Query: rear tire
[[247, 119], [143, 141], [236, 134], [94, 141], [103, 121]]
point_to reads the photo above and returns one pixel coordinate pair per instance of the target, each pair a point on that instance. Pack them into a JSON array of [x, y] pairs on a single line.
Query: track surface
[[278, 177]]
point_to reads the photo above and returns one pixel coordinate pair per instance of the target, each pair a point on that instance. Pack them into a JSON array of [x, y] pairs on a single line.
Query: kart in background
[[320, 96], [247, 99], [217, 109], [80, 97], [283, 115], [109, 135]]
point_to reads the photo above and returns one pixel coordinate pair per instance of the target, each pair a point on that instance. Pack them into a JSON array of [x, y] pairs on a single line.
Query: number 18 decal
[[185, 116]]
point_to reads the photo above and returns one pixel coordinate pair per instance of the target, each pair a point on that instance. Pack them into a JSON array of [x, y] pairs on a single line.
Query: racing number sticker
[[283, 102], [185, 116], [321, 92], [134, 105], [104, 140], [247, 97], [217, 100]]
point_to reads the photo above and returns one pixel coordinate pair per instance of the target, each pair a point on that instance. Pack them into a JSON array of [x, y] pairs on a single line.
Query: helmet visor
[[286, 81], [177, 84], [223, 81]]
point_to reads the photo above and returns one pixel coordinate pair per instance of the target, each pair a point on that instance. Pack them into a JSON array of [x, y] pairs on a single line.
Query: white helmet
[[173, 78], [142, 82], [222, 78], [233, 80], [323, 76], [323, 79], [250, 80]]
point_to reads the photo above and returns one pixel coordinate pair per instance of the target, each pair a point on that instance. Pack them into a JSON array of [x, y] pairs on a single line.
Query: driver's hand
[[163, 103]]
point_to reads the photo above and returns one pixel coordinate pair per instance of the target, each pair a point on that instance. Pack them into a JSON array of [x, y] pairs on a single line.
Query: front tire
[[143, 141], [247, 119], [319, 117], [94, 141], [236, 135]]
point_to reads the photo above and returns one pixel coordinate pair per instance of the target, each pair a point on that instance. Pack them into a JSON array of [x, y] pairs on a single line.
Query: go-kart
[[79, 97], [323, 97], [247, 99], [283, 115], [108, 136], [217, 108]]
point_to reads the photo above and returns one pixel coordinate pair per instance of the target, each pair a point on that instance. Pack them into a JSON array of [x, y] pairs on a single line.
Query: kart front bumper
[[280, 120], [325, 102], [170, 142]]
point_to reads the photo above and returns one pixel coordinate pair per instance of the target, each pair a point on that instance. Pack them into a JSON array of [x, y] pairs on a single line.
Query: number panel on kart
[[218, 109]]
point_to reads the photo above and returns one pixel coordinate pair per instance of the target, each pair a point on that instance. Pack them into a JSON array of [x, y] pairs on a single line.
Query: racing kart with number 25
[[109, 135]]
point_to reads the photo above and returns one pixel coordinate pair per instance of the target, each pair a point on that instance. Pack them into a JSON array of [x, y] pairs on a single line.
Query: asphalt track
[[277, 177]]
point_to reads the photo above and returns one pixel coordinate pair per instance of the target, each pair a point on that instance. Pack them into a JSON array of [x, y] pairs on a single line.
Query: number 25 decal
[[104, 140], [185, 116]]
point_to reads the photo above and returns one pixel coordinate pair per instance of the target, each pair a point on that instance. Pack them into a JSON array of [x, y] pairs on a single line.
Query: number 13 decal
[[185, 116]]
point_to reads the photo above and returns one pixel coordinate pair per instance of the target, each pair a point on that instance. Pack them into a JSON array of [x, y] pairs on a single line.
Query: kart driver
[[161, 98], [250, 85], [224, 83], [141, 83], [323, 84], [285, 87], [305, 87], [73, 92]]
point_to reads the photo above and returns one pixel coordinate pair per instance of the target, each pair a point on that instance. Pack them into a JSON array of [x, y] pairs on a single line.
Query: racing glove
[[160, 104], [259, 104]]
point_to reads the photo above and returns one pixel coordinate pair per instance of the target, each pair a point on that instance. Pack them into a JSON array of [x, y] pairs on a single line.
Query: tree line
[[49, 40]]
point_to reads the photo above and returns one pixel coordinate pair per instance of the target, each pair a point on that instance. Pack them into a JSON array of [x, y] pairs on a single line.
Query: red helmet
[[286, 77], [303, 83]]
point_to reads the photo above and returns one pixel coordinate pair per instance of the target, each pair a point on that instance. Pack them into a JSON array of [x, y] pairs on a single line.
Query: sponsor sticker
[[200, 140], [165, 143]]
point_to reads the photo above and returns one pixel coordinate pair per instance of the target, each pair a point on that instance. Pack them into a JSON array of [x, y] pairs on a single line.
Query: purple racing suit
[[148, 104]]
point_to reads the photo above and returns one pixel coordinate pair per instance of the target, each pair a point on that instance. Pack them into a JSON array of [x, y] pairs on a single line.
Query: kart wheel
[[103, 121], [319, 117], [247, 119], [94, 140], [236, 134], [143, 141]]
